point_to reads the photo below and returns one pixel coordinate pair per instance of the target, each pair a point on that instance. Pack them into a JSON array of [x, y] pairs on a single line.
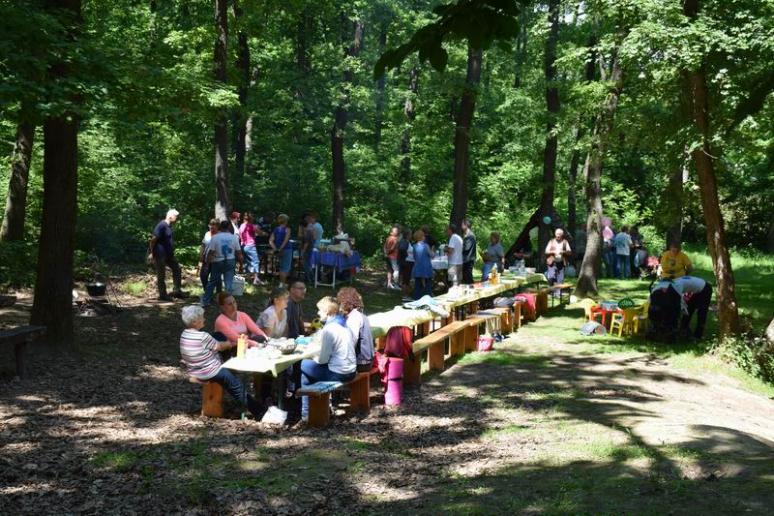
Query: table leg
[[282, 385]]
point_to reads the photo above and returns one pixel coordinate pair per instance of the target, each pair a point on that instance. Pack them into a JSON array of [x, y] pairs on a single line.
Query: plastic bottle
[[241, 346]]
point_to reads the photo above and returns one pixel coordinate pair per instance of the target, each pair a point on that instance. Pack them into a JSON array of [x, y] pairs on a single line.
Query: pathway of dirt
[[536, 426]]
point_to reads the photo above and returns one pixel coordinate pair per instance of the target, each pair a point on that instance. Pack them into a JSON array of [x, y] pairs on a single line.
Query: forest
[[521, 117]]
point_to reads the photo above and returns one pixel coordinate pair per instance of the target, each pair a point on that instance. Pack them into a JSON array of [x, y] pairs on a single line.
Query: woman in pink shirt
[[247, 233], [233, 323]]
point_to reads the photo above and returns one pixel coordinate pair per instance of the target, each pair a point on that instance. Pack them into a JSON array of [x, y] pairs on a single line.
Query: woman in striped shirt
[[200, 353]]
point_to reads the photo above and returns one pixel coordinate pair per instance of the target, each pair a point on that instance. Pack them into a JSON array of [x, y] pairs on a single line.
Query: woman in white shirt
[[274, 320], [336, 362]]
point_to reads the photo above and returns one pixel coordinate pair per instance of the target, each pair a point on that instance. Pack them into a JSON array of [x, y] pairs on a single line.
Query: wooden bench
[[435, 346], [562, 289], [212, 397], [472, 332], [541, 302], [320, 397], [18, 338], [516, 316], [506, 319]]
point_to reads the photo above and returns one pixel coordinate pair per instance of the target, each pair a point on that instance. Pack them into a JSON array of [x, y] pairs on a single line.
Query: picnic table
[[338, 262], [399, 316]]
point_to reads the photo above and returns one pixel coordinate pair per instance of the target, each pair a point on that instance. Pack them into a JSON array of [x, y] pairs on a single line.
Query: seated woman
[[274, 320], [199, 351], [232, 323], [351, 304], [336, 362], [493, 257]]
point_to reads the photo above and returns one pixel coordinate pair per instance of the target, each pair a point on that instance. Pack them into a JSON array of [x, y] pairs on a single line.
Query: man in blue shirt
[[162, 253]]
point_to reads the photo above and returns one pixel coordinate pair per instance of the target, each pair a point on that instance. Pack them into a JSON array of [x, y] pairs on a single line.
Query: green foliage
[[751, 352], [17, 264]]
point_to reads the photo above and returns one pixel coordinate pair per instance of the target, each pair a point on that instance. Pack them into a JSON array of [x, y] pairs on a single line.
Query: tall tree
[[550, 149], [240, 117], [409, 110], [462, 136], [579, 134], [16, 200], [222, 202], [380, 86], [52, 304], [592, 173], [728, 313], [340, 123]]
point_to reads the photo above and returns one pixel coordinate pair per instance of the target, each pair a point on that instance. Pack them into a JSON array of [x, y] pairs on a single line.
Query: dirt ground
[[541, 425]]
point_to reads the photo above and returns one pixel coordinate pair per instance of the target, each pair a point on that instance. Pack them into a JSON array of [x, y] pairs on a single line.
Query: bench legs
[[212, 399], [412, 370], [435, 356], [516, 316], [457, 343], [360, 392], [471, 337], [320, 410]]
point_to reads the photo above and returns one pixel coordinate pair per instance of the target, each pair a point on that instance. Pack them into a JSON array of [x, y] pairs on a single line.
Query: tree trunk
[[673, 202], [728, 313], [222, 202], [338, 128], [241, 115], [16, 200], [549, 152], [52, 304], [521, 46], [580, 132], [380, 84], [409, 111], [592, 173], [462, 137]]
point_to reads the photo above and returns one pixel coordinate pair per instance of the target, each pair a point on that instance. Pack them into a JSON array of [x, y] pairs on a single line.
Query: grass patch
[[117, 460], [135, 288], [507, 358]]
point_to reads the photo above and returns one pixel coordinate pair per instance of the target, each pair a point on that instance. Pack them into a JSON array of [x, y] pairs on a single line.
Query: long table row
[[381, 323]]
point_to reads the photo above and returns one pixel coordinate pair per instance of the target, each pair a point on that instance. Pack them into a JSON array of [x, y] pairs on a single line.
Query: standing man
[[468, 252], [623, 245], [308, 238], [454, 252], [557, 252], [222, 255], [162, 253], [318, 229]]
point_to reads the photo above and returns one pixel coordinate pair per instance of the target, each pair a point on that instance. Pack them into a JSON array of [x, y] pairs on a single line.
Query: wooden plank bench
[[435, 347], [562, 289], [212, 397], [320, 397], [19, 338], [506, 319], [473, 331], [541, 302]]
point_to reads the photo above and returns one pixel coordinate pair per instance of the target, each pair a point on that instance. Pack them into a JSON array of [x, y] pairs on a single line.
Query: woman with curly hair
[[351, 306]]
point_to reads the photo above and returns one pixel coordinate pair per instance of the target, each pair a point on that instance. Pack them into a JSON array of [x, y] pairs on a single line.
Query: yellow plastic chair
[[623, 321], [589, 305], [641, 319]]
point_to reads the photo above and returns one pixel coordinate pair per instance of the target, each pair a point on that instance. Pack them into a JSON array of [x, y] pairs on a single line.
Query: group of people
[[235, 244], [409, 256], [346, 342]]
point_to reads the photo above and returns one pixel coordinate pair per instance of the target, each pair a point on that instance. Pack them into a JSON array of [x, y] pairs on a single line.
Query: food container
[[96, 289]]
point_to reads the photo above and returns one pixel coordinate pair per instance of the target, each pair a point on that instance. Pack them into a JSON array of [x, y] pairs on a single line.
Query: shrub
[[752, 352]]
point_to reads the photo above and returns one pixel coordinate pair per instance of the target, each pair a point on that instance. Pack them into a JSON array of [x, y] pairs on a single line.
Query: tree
[[52, 304], [409, 111], [16, 200], [592, 174], [222, 202], [340, 124], [462, 129], [728, 313], [549, 151], [240, 117]]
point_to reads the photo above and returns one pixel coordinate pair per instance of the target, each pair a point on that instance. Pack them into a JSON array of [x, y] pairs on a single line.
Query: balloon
[[546, 220]]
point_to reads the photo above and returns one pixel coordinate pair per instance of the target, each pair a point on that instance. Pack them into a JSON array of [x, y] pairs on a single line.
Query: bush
[[17, 264], [752, 352]]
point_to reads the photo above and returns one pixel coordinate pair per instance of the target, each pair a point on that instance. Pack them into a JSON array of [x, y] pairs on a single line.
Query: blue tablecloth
[[338, 260]]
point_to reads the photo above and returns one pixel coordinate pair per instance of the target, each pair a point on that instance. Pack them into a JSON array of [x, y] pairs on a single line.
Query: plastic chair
[[623, 321], [641, 319], [591, 310]]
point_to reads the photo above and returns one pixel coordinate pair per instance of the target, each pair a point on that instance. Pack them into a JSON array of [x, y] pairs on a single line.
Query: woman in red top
[[233, 323], [391, 258]]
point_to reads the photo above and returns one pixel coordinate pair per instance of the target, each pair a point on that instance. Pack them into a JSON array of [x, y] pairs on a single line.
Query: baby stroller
[[664, 315]]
